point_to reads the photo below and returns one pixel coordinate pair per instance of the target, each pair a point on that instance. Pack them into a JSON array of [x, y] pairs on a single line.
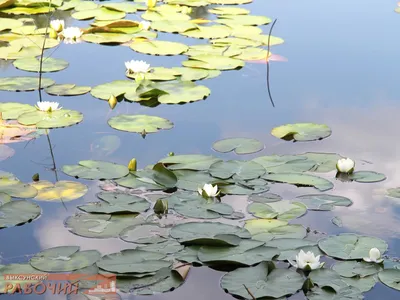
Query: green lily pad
[[325, 162], [8, 23], [250, 54], [100, 226], [17, 269], [202, 210], [28, 10], [159, 47], [15, 188], [115, 202], [139, 123], [300, 180], [243, 170], [134, 182], [19, 84], [106, 38], [228, 10], [192, 74], [133, 261], [156, 74], [18, 212], [299, 165], [12, 110], [282, 210], [328, 278], [243, 190], [164, 15], [349, 246], [355, 268], [236, 42], [207, 49], [32, 64], [209, 234], [123, 6], [196, 162], [62, 190], [207, 32], [101, 14], [345, 293], [302, 132], [265, 198], [172, 26], [166, 247], [64, 259], [238, 145], [67, 90], [247, 253], [268, 229], [213, 62], [115, 88], [247, 20], [390, 278], [145, 234], [229, 2], [367, 176], [393, 192], [95, 170], [364, 284], [191, 181], [54, 119], [262, 282], [324, 201]]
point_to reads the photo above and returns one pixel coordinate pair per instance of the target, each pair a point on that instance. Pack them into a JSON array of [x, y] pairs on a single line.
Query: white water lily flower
[[137, 66], [57, 25], [145, 25], [48, 106], [209, 189], [345, 165], [307, 261], [72, 33], [374, 256]]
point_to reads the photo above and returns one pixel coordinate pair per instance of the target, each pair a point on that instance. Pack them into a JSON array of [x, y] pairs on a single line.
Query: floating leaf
[[300, 180], [17, 269], [268, 229], [367, 176], [64, 259], [247, 20], [208, 233], [95, 170], [166, 247], [12, 110], [262, 282], [145, 234], [202, 209], [351, 246], [328, 278], [265, 198], [115, 88], [213, 62], [364, 284], [32, 64], [100, 226], [282, 210], [106, 38], [13, 187], [196, 162], [135, 182], [228, 10], [164, 15], [173, 26], [393, 192], [61, 190], [67, 90], [54, 119], [337, 221], [139, 123], [18, 84], [158, 47], [324, 201], [101, 14], [325, 162], [390, 278], [207, 32], [302, 132], [239, 145], [228, 2], [239, 169], [355, 268], [18, 212]]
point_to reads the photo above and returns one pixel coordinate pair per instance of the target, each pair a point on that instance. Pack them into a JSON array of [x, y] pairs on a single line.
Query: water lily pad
[[243, 170], [345, 293], [115, 202], [139, 123], [355, 268], [262, 282], [145, 234], [300, 180], [133, 261], [213, 62], [123, 6], [202, 210], [173, 26], [13, 187], [302, 132], [351, 246], [101, 14], [390, 278], [67, 90], [64, 259], [393, 192], [228, 10], [207, 49], [328, 278], [207, 32], [62, 190], [166, 247], [159, 47], [115, 88], [265, 198], [268, 229], [100, 226], [11, 110], [325, 162], [18, 212], [209, 234], [247, 253], [95, 170], [242, 190], [367, 176], [54, 119], [247, 20], [364, 284], [324, 201], [239, 145], [228, 2], [28, 10], [282, 210], [196, 162], [19, 84], [106, 38], [134, 182], [24, 268], [32, 64], [164, 15]]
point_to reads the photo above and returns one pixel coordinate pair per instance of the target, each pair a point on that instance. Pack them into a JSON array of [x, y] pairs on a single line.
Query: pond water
[[340, 71]]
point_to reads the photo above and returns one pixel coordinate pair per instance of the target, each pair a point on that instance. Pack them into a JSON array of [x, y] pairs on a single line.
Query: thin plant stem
[[269, 47], [250, 293]]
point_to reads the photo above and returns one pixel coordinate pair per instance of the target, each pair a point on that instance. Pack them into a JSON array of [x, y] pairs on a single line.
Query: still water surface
[[341, 71]]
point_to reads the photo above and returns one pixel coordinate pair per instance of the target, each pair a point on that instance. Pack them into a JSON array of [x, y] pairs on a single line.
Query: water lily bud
[[35, 177], [53, 34], [132, 165], [345, 165], [171, 154], [112, 101], [151, 3], [374, 256], [161, 207]]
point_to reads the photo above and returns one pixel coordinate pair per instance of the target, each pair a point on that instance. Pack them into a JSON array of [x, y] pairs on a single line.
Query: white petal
[[367, 259], [374, 254], [200, 191]]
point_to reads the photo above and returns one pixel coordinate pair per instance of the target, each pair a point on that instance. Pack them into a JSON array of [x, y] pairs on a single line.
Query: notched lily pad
[[139, 123], [96, 170], [18, 212], [302, 132], [238, 145]]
